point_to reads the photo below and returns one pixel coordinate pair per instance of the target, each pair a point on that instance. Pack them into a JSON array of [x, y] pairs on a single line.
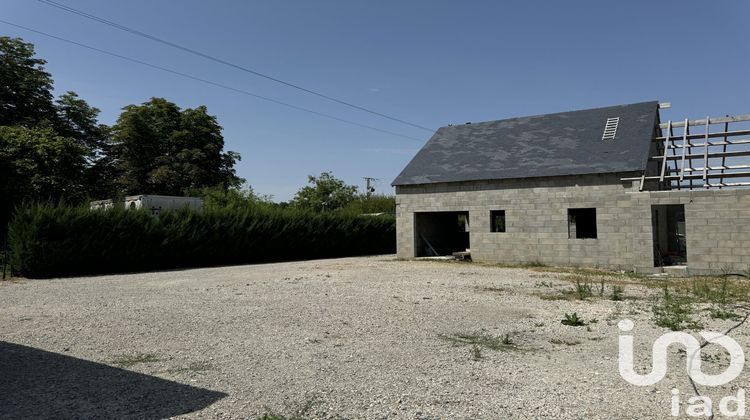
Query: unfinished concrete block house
[[610, 187]]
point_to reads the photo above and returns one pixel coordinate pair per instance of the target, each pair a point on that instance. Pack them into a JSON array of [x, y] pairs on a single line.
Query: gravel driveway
[[370, 337]]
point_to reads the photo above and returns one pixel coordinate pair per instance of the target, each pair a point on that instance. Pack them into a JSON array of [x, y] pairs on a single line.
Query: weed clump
[[573, 320], [674, 312], [482, 339]]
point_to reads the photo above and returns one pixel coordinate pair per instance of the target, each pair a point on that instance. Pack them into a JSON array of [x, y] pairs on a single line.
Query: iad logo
[[693, 349], [701, 404]]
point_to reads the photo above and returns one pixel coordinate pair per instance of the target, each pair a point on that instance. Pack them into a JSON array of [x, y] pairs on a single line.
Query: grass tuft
[[493, 289], [674, 312], [476, 352], [573, 320], [565, 342], [583, 289], [617, 293], [301, 412], [719, 312], [482, 339], [135, 359], [533, 264]]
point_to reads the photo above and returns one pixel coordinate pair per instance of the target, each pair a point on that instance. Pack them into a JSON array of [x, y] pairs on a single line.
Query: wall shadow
[[39, 384]]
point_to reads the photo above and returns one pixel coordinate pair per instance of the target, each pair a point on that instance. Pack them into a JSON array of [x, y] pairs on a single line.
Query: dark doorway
[[670, 242], [441, 233]]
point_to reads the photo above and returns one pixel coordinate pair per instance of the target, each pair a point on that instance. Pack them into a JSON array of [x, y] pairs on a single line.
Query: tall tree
[[36, 164], [26, 100], [26, 89], [325, 193], [48, 151], [165, 150], [78, 120]]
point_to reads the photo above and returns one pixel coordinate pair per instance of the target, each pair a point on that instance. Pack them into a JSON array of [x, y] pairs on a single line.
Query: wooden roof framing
[[687, 160]]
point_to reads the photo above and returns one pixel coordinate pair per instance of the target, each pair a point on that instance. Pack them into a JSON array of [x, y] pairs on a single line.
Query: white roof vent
[[610, 128]]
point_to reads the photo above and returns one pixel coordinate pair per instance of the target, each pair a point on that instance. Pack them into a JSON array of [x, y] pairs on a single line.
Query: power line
[[209, 82], [224, 62]]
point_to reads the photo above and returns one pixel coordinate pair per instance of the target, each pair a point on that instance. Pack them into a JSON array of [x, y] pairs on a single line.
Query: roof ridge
[[549, 114]]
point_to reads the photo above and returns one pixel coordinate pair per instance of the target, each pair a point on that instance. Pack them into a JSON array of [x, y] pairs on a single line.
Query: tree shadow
[[39, 384]]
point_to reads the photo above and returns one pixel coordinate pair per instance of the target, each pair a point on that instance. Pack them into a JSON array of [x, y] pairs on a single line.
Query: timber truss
[[699, 154]]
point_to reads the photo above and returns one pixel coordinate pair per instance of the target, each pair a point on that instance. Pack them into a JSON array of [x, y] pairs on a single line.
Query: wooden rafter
[[705, 152], [666, 146], [725, 133], [685, 144], [727, 119], [724, 149], [690, 168]]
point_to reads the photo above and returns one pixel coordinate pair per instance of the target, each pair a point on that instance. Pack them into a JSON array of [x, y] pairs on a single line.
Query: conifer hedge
[[47, 241]]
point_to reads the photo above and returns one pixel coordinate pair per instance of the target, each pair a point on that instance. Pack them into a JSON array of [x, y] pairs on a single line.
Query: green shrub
[[47, 241], [675, 312], [573, 320], [583, 290], [617, 293], [718, 312], [372, 204]]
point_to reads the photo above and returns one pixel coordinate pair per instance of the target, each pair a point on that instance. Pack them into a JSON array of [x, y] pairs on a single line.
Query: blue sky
[[428, 62]]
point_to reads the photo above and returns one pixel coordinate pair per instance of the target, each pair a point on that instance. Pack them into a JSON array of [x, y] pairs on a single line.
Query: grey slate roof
[[566, 143]]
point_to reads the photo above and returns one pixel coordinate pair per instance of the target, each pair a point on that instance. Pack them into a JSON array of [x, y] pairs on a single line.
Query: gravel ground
[[344, 338]]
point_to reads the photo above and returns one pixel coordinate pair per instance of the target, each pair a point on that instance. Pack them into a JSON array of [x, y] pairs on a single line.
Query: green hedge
[[48, 241]]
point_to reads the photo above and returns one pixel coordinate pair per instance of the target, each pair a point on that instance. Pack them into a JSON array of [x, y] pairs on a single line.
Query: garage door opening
[[670, 242], [441, 233]]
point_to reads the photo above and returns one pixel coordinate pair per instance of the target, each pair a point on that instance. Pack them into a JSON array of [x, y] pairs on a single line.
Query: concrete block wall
[[717, 227], [536, 215]]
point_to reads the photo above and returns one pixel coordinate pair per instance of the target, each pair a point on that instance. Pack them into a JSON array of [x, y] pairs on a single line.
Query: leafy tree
[[46, 149], [55, 150], [234, 198], [26, 100], [37, 164], [325, 193], [165, 150], [140, 136], [78, 120], [26, 89], [373, 204]]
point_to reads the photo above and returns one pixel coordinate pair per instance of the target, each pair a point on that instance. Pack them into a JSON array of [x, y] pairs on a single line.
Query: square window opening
[[497, 220], [582, 223]]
